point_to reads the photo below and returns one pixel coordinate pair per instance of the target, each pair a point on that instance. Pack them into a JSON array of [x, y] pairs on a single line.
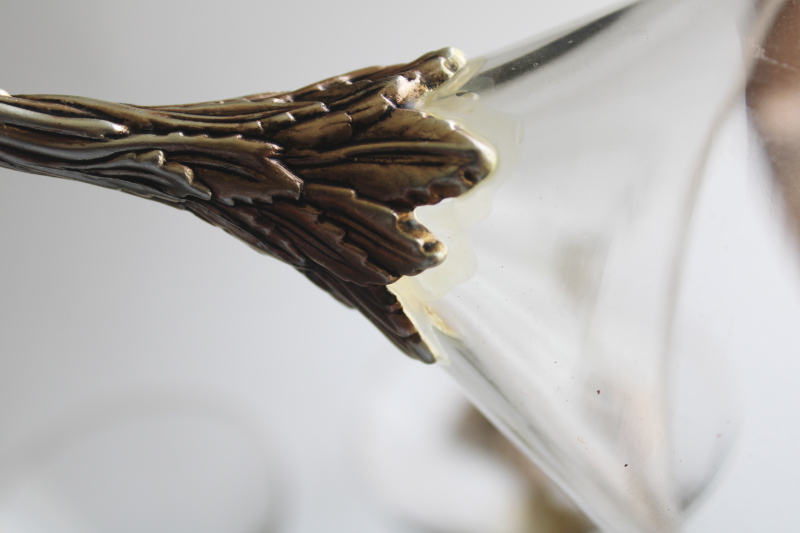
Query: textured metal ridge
[[325, 178]]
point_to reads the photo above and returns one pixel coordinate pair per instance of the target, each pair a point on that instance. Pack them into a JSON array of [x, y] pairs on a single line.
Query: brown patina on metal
[[325, 178]]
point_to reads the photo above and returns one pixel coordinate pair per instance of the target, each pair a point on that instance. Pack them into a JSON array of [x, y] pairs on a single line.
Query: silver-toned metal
[[325, 178]]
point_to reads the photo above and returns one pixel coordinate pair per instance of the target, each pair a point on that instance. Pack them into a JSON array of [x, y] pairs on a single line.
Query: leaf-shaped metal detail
[[325, 178]]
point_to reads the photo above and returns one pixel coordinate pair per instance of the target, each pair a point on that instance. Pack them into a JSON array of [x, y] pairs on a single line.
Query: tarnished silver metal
[[325, 178]]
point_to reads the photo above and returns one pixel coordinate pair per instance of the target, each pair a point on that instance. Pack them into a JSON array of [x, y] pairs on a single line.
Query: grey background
[[111, 305], [158, 375]]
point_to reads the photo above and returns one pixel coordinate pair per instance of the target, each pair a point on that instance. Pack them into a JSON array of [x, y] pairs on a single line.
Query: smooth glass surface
[[570, 308], [104, 295]]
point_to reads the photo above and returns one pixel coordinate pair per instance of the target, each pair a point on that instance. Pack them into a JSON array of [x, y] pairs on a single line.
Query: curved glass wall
[[586, 305]]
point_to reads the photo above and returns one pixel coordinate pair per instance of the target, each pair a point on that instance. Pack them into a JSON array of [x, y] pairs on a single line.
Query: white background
[[140, 346], [113, 306]]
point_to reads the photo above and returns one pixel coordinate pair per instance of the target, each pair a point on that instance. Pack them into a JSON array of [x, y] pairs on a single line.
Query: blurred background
[[158, 375]]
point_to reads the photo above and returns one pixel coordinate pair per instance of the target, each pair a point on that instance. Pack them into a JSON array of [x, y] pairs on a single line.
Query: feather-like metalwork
[[325, 178]]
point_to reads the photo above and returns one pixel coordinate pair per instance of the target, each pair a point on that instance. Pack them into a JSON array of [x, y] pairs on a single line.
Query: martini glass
[[593, 297], [586, 304]]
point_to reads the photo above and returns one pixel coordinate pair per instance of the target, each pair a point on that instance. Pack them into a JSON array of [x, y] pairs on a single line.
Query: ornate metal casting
[[325, 178]]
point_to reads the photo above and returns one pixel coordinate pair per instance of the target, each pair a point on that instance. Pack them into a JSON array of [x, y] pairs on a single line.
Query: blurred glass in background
[[621, 299]]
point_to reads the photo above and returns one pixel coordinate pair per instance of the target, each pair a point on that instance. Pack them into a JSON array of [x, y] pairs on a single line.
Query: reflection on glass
[[565, 307]]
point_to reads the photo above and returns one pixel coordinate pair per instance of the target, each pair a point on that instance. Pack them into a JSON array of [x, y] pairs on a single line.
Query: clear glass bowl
[[598, 298]]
